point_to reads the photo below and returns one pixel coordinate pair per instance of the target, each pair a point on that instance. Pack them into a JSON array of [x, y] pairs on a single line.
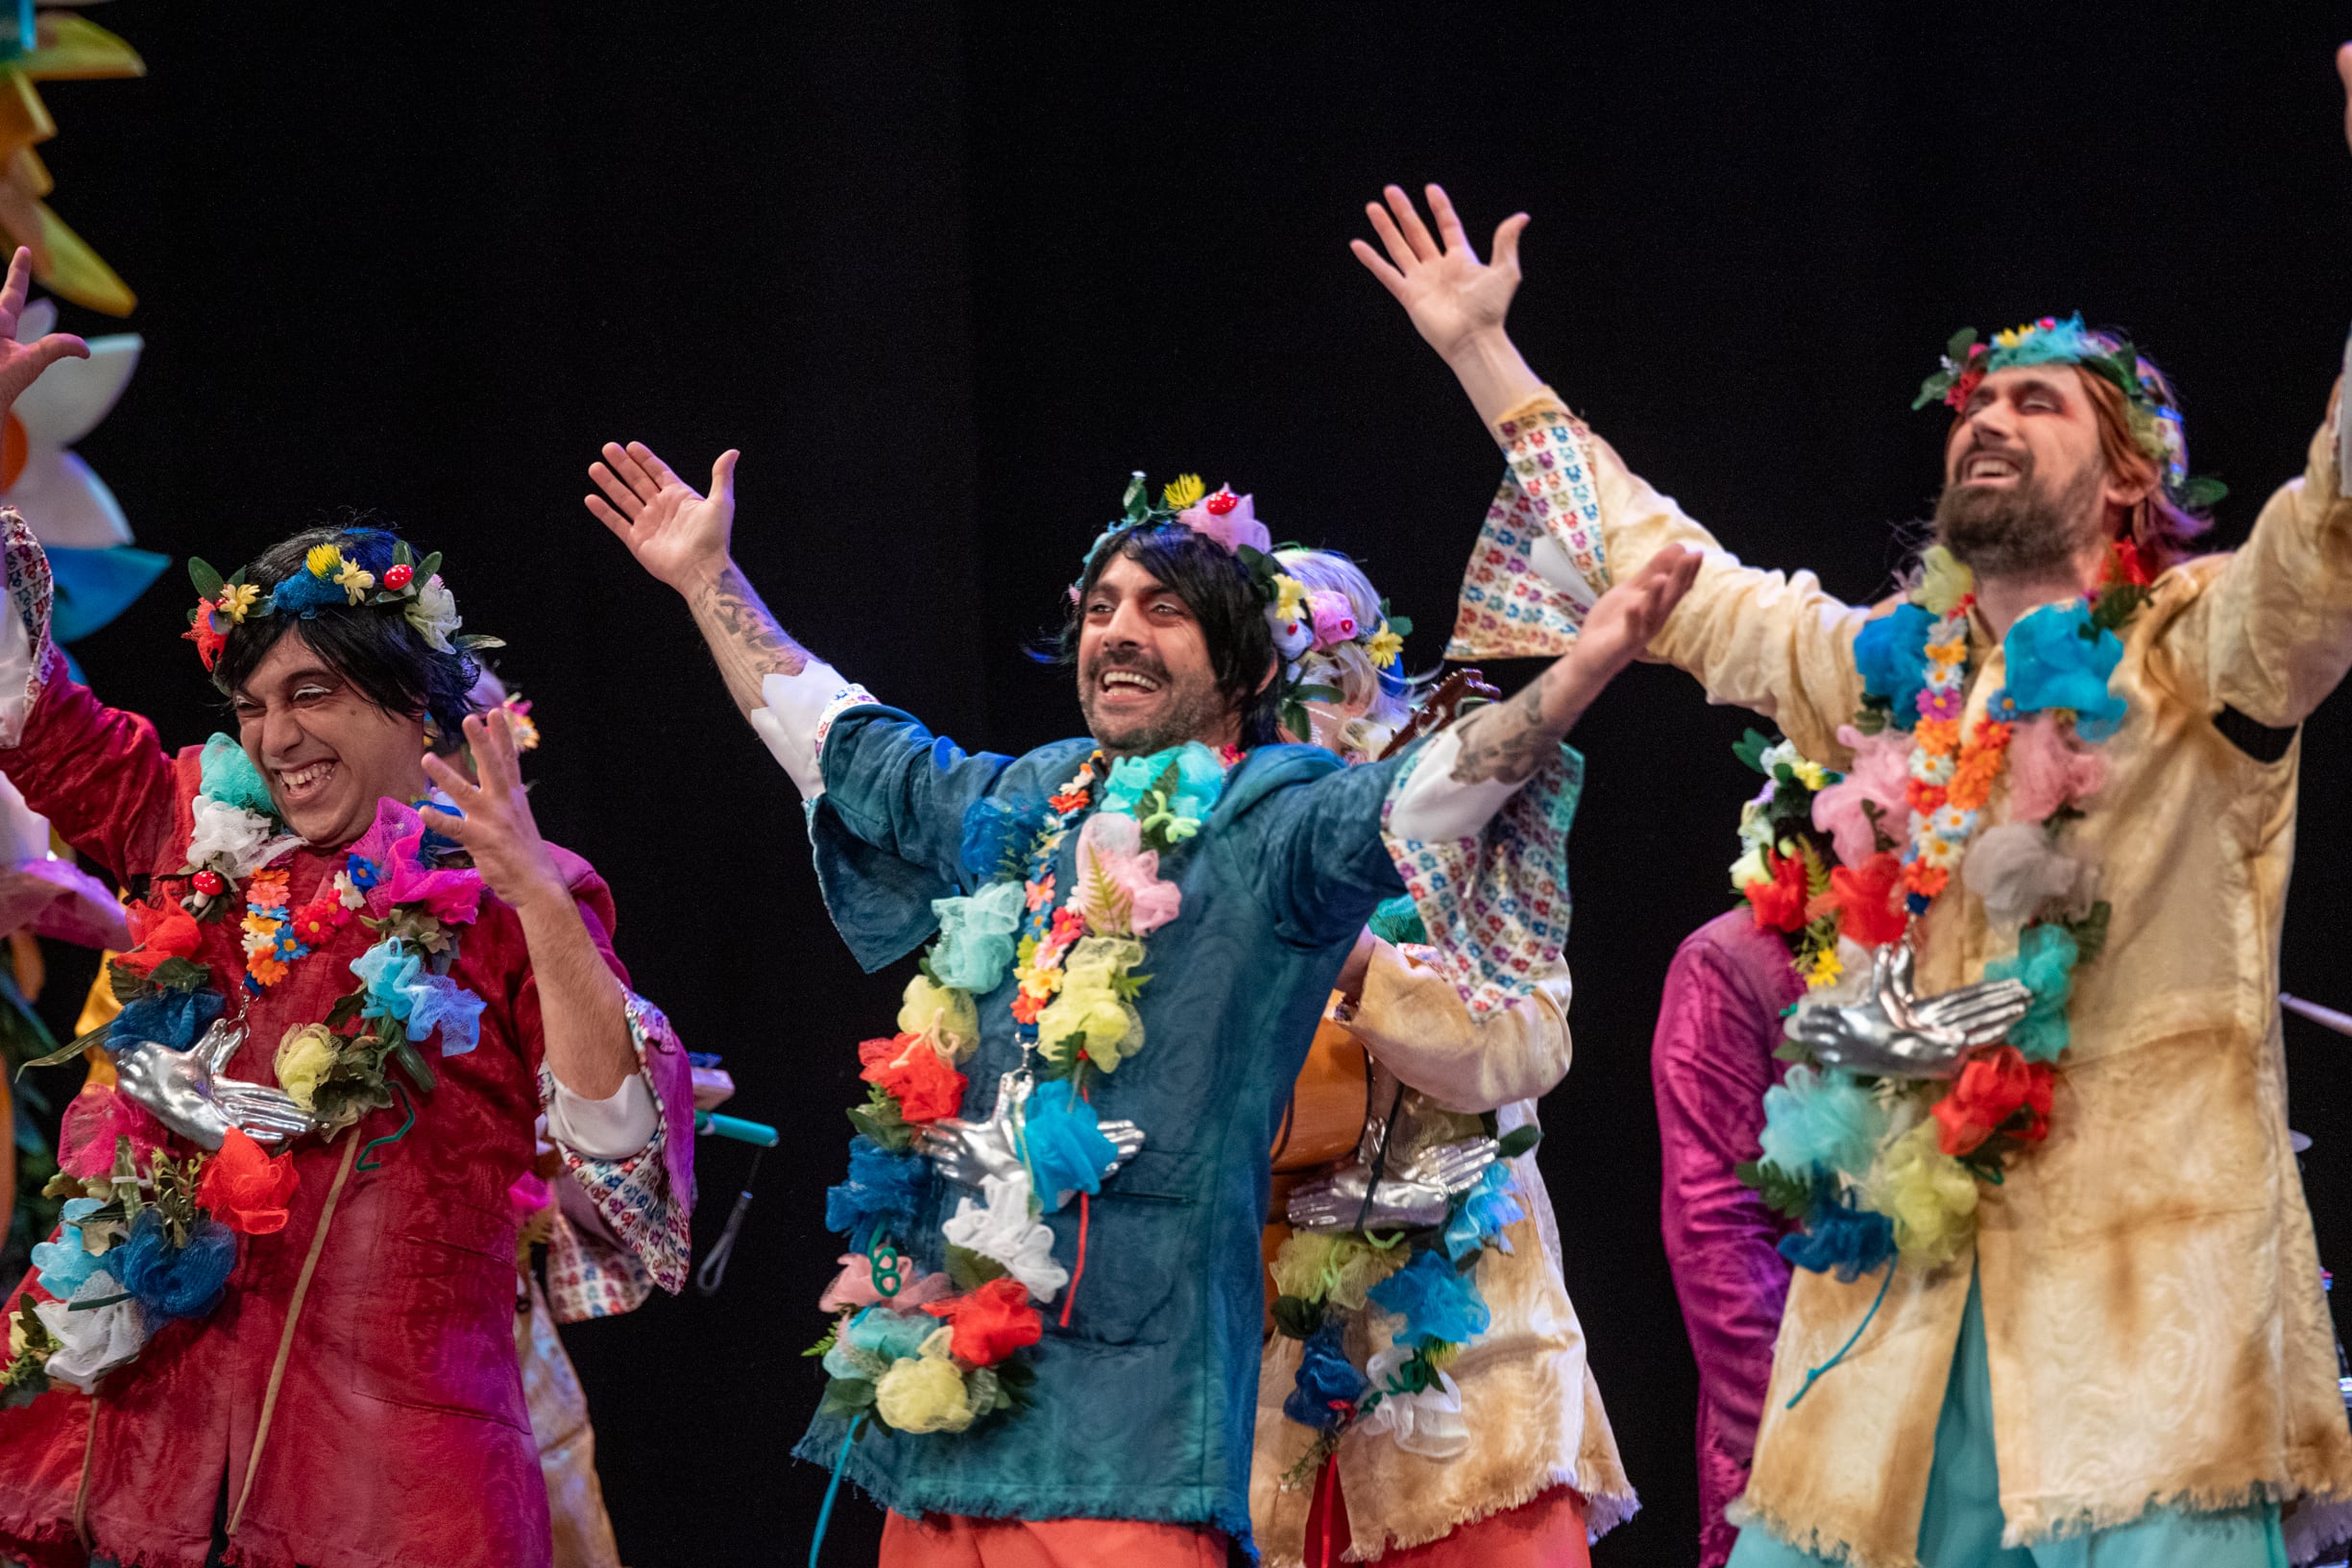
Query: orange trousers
[[1548, 1531], [955, 1541]]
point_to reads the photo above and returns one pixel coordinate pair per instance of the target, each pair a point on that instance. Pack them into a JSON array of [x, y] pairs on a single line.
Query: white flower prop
[[69, 506], [239, 836], [1006, 1231], [94, 1342], [1428, 1423], [433, 613]]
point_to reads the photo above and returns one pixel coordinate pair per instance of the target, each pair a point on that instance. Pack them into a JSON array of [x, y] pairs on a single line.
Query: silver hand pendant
[[1896, 1034], [189, 1093], [968, 1153]]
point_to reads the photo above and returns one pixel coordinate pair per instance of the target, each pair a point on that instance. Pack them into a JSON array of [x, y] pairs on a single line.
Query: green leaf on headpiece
[[474, 641], [1751, 749], [1957, 345], [2201, 493], [1401, 626], [1293, 718], [1319, 693], [426, 570], [401, 555], [208, 584]]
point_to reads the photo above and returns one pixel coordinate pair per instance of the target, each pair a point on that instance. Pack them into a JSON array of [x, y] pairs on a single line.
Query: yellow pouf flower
[[1931, 1197], [1338, 1269], [944, 1014], [1091, 1005], [924, 1393], [1943, 582], [305, 1056]]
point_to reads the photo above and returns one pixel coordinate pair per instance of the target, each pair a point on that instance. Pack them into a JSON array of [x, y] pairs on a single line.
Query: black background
[[946, 273]]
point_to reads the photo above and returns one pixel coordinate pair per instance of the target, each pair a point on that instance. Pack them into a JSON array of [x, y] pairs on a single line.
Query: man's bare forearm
[[1505, 742], [744, 639]]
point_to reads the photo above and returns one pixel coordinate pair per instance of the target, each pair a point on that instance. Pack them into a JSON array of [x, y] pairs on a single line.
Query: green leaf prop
[[1782, 1192], [208, 582], [1297, 1317], [1519, 1141]]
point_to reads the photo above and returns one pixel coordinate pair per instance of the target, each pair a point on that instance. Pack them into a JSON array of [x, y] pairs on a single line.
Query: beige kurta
[[2153, 1314], [1528, 1396]]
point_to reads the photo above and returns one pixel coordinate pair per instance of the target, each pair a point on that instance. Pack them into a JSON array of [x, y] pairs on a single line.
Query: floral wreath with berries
[[330, 578]]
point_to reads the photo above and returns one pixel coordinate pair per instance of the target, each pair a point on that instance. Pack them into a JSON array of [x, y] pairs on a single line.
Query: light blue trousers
[[1960, 1525]]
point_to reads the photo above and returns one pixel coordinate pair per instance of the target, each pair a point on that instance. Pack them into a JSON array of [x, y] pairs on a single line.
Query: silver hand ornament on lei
[[1413, 1198], [1895, 1033], [186, 1090], [969, 1153]]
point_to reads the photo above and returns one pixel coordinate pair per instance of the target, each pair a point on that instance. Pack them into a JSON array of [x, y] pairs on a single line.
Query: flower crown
[[1307, 625], [2155, 423], [329, 577]]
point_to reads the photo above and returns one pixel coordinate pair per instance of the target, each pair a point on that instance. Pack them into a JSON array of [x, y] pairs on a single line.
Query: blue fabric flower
[[2068, 342], [171, 1019], [175, 1281], [1840, 1238], [1821, 1119], [997, 832], [1326, 1377], [1891, 653], [1483, 1212], [305, 596], [884, 1192], [893, 1336], [228, 776], [1438, 1305], [976, 938], [2057, 659], [63, 1265], [2044, 960], [400, 987], [363, 872], [1067, 1151], [1200, 778]]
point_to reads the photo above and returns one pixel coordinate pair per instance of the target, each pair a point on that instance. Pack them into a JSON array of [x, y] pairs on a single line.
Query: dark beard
[[1192, 714], [2022, 531]]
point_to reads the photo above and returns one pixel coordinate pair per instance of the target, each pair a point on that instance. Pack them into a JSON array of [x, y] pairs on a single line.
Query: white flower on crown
[[433, 613]]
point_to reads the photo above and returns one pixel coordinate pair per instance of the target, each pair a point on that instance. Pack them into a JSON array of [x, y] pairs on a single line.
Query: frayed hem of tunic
[[1603, 1513], [1819, 1543], [826, 1453], [2037, 1526], [54, 1533]]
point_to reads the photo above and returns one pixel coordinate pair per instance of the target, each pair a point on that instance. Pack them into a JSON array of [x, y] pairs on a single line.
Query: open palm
[[22, 363], [1447, 291], [676, 532]]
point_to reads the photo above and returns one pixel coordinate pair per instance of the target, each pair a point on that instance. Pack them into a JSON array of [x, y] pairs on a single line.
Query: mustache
[[1133, 658]]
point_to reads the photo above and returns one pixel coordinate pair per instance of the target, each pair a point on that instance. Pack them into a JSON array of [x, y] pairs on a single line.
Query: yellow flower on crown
[[1386, 648], [354, 582], [237, 599], [1186, 490], [323, 560], [1290, 596]]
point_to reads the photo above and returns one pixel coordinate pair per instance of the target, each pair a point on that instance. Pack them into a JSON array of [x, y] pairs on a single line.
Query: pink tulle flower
[[93, 1120], [1881, 770], [451, 894], [2047, 770], [1120, 890], [854, 1286], [1230, 519], [1335, 619]]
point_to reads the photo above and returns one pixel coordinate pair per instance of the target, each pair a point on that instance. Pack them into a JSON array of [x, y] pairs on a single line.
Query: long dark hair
[[1217, 589], [371, 646]]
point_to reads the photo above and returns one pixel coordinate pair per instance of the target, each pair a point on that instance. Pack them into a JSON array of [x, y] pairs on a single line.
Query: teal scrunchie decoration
[[1821, 1119], [2058, 658], [1399, 921], [1480, 1213], [1200, 779], [1439, 1306], [230, 778], [2044, 961], [976, 938]]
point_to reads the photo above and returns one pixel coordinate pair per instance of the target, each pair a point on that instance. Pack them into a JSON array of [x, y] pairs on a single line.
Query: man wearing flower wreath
[[2057, 1300], [1051, 1304], [305, 1359]]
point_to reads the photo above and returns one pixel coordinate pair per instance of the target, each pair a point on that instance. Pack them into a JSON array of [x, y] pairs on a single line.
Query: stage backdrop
[[946, 273]]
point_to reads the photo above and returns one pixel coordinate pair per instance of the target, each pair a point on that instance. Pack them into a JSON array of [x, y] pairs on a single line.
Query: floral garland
[[149, 1238], [331, 578], [934, 1354], [1871, 1168]]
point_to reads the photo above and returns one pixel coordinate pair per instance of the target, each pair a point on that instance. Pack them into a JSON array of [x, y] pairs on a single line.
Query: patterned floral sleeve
[[1539, 562], [645, 1201]]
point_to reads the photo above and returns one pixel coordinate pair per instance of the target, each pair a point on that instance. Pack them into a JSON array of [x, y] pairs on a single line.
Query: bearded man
[[1017, 1377], [2057, 1300]]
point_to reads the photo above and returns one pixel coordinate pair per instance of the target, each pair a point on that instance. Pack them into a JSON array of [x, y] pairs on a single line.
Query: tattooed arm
[[682, 538], [1504, 743]]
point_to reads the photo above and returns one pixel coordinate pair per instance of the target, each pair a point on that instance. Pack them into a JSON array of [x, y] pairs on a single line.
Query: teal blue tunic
[[1145, 1403]]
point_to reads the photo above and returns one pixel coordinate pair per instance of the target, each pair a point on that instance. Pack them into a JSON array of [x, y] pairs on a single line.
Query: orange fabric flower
[[990, 1323], [1026, 1007], [267, 890], [245, 1188], [1780, 903], [911, 1071], [159, 933], [1867, 899], [1989, 1090], [208, 638], [1972, 778]]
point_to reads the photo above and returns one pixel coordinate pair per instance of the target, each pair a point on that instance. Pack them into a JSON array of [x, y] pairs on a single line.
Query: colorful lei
[[936, 1353], [1872, 1167]]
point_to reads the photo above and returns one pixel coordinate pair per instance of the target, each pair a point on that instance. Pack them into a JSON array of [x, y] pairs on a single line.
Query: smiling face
[[2026, 484], [1144, 676], [329, 751]]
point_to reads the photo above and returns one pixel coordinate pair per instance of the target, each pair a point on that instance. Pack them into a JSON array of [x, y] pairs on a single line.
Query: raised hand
[[1625, 619], [497, 828], [678, 534], [22, 363], [1447, 291], [1895, 1033], [186, 1090]]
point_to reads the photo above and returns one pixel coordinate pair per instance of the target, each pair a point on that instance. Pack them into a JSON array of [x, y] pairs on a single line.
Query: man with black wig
[[305, 1358], [1048, 1345]]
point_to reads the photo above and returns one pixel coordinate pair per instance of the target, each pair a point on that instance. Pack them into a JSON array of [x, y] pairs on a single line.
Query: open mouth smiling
[[1982, 467], [300, 783], [1117, 682]]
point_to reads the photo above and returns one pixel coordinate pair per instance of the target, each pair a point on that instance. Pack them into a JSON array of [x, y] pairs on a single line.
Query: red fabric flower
[[990, 1323], [1780, 903], [1989, 1090], [2131, 566], [169, 932], [906, 1065], [245, 1188], [320, 919], [1868, 899]]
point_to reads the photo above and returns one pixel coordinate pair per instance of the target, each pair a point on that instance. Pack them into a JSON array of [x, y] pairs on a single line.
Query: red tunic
[[399, 1435]]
